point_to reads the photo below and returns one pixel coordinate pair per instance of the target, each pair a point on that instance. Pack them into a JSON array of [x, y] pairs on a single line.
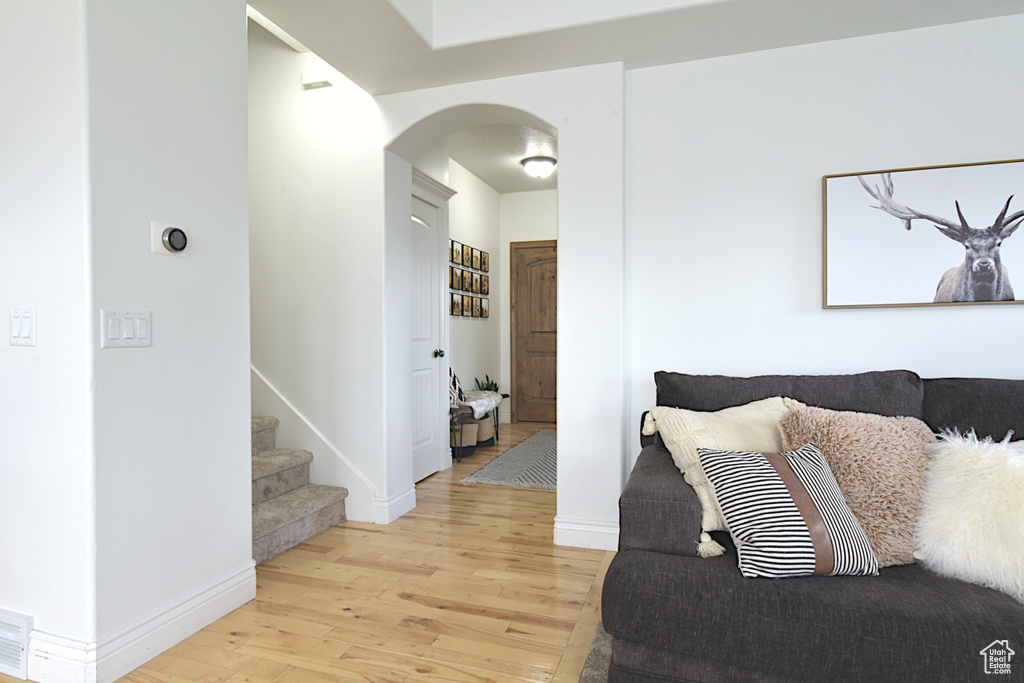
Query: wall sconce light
[[539, 167], [316, 78]]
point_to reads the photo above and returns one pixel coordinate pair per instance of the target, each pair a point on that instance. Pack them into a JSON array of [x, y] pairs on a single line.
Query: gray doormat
[[595, 670], [531, 464]]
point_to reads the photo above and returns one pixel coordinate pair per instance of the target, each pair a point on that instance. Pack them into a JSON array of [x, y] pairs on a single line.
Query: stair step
[[291, 518], [264, 433], [277, 472]]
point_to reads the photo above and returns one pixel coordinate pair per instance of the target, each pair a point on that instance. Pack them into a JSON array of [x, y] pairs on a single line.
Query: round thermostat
[[175, 239]]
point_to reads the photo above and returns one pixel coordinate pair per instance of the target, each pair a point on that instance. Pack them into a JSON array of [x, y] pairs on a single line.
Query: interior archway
[[400, 155], [427, 132]]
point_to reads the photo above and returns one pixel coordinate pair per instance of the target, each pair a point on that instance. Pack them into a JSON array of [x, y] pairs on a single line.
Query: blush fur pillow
[[972, 512], [879, 464]]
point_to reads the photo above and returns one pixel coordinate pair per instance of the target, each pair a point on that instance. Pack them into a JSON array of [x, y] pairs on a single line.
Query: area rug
[[595, 670], [530, 465]]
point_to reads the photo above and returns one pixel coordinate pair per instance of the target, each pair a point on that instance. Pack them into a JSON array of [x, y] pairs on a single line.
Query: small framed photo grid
[[468, 280]]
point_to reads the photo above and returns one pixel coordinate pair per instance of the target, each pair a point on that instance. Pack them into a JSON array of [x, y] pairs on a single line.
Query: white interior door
[[430, 449]]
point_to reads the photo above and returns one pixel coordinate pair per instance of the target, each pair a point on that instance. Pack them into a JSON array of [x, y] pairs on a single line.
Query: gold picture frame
[[897, 237]]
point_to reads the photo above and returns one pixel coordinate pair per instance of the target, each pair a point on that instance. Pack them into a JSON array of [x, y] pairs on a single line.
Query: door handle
[[438, 353]]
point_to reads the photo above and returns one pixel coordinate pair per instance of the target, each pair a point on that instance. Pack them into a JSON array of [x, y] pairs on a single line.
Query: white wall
[[525, 217], [724, 166], [586, 106], [113, 458], [398, 481], [46, 453], [714, 268], [171, 421], [435, 162], [317, 250], [474, 218]]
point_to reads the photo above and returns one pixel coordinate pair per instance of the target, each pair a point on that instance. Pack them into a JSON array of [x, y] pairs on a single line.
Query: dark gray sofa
[[676, 617]]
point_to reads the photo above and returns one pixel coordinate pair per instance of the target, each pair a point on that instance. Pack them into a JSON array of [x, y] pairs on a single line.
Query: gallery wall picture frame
[[467, 276], [924, 236]]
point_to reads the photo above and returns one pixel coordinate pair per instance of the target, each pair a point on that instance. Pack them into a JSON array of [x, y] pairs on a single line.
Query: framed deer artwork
[[938, 235]]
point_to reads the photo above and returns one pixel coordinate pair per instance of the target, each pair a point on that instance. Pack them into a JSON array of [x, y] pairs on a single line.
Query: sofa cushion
[[754, 426], [879, 463], [699, 619], [786, 514], [972, 513], [891, 392], [989, 407]]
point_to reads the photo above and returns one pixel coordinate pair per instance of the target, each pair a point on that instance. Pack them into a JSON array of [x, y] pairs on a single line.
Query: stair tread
[[263, 422], [286, 508], [266, 463]]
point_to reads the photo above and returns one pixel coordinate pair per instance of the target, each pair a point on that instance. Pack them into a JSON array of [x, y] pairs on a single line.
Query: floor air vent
[[14, 630]]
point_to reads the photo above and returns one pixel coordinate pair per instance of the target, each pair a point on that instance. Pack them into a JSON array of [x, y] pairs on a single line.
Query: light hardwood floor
[[469, 586]]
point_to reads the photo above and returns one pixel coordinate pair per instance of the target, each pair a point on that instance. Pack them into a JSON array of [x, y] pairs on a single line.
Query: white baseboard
[[63, 660], [586, 533], [53, 658], [387, 510]]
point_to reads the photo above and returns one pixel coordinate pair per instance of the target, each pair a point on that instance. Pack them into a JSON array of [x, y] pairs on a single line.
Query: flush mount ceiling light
[[539, 167]]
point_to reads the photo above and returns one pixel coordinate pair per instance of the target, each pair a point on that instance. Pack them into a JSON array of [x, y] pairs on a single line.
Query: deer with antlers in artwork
[[982, 276]]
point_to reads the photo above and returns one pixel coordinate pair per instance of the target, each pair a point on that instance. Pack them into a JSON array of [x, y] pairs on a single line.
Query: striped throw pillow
[[786, 514], [456, 396]]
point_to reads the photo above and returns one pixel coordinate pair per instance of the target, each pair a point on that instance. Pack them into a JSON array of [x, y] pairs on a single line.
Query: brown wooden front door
[[534, 280]]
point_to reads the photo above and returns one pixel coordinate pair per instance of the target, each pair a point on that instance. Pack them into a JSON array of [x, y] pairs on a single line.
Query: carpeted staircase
[[286, 508]]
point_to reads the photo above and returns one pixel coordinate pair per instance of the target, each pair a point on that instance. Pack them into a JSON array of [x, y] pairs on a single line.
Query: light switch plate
[[122, 328], [23, 327]]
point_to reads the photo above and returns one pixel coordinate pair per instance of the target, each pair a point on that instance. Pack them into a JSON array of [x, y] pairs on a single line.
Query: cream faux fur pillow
[[750, 427], [879, 463], [972, 512]]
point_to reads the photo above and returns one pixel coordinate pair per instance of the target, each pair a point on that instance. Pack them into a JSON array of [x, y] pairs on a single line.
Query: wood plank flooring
[[469, 586]]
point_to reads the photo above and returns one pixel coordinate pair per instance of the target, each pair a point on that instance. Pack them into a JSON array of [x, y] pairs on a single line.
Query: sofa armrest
[[658, 510]]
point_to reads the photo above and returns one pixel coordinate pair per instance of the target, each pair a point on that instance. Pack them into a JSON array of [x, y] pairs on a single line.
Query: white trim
[[587, 533], [387, 510], [64, 660], [422, 181], [281, 34], [53, 658], [309, 425]]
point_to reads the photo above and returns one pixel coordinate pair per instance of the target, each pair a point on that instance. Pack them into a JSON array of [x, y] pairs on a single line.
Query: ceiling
[[388, 46], [493, 153]]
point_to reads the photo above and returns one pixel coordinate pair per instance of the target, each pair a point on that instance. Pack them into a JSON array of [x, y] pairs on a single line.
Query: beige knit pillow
[[750, 427], [879, 463]]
